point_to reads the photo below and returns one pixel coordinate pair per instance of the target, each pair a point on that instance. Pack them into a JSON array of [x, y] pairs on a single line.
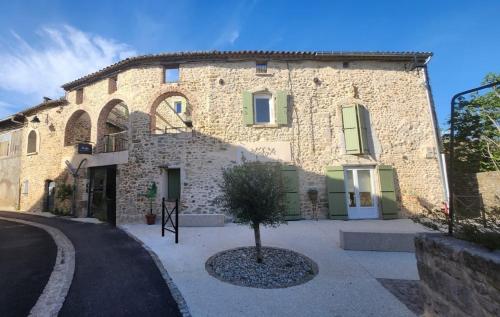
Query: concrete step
[[377, 241]]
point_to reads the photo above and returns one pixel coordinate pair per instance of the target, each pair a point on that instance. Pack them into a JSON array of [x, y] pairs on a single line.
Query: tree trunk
[[258, 245]]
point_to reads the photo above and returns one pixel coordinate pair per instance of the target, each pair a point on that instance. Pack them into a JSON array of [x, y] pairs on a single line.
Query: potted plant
[[151, 195]]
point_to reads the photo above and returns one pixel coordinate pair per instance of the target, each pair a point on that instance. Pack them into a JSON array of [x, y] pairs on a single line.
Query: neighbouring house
[[358, 127]]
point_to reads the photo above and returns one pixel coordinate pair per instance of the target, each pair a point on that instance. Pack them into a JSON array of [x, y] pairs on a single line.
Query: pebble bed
[[280, 267]]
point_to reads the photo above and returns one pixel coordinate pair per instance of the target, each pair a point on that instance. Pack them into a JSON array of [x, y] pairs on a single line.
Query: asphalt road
[[27, 256], [114, 275]]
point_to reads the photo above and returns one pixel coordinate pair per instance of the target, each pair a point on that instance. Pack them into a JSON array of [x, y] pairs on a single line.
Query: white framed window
[[171, 74], [263, 108], [26, 186]]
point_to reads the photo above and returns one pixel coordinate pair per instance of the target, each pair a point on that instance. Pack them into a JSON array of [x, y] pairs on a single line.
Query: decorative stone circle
[[280, 267]]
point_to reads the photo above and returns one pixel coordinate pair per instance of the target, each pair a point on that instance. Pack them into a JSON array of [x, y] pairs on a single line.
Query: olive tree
[[253, 193]]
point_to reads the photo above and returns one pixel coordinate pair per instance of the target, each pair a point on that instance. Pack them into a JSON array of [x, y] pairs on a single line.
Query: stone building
[[359, 128]]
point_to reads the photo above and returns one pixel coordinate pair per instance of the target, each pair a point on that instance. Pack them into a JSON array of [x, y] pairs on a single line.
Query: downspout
[[437, 133]]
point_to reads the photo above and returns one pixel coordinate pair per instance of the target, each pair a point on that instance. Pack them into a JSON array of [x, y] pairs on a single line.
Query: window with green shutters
[[388, 203], [337, 204], [255, 111], [354, 119], [290, 177]]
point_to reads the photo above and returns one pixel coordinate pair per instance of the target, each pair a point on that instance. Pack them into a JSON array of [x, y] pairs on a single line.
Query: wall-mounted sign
[[84, 148]]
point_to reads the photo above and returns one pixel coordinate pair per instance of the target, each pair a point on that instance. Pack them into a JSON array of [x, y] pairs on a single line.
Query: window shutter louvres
[[337, 204], [247, 108], [351, 130], [389, 205], [281, 107], [363, 129]]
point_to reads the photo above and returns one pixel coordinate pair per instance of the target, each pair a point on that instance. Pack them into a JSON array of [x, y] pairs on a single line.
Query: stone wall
[[400, 123], [458, 278]]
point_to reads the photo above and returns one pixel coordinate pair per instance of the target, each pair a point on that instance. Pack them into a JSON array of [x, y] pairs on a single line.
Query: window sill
[[265, 125], [32, 153], [264, 74]]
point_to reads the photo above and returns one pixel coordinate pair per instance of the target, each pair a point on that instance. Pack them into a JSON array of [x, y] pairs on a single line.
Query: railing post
[[163, 217], [177, 220]]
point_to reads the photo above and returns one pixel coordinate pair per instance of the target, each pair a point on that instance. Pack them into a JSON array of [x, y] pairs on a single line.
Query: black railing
[[115, 142], [173, 222]]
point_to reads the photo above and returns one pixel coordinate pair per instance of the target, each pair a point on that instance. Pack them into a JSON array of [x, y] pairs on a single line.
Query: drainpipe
[[437, 133]]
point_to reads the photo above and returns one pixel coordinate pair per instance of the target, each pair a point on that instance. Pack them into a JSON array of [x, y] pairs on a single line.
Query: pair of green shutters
[[337, 200], [280, 107], [354, 123]]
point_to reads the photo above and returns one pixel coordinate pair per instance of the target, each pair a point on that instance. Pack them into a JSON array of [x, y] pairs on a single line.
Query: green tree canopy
[[476, 135]]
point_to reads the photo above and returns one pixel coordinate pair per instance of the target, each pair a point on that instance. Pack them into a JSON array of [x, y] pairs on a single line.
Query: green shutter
[[389, 205], [363, 131], [281, 107], [174, 184], [351, 129], [291, 187], [337, 203], [247, 108]]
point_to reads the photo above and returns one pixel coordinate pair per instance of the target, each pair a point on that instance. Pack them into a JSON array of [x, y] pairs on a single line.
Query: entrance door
[[102, 193], [361, 202]]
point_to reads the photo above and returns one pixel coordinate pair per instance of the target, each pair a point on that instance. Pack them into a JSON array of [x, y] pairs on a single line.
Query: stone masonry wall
[[457, 277], [396, 99]]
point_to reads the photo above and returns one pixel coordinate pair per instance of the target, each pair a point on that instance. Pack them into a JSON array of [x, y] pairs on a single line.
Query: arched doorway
[[78, 128], [112, 127]]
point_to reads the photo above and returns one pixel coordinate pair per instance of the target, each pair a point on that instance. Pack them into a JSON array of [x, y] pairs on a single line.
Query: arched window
[[32, 139]]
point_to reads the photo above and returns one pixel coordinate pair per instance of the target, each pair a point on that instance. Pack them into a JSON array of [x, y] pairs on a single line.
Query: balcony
[[115, 142]]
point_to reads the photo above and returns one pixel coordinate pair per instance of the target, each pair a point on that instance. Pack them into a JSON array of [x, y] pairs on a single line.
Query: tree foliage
[[477, 131], [253, 193]]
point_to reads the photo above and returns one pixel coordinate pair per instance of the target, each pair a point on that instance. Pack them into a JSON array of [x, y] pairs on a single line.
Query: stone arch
[[78, 128], [32, 146], [180, 119], [113, 126]]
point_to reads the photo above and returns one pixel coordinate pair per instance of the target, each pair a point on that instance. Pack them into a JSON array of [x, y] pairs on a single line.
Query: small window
[[26, 185], [112, 84], [79, 96], [261, 67], [262, 109], [178, 106], [171, 74], [32, 142]]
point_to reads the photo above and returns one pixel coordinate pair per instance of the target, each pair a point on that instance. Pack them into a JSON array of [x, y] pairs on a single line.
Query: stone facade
[[401, 130], [457, 277]]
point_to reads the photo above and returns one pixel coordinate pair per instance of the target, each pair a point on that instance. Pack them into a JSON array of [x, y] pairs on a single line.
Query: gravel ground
[[280, 268], [407, 291]]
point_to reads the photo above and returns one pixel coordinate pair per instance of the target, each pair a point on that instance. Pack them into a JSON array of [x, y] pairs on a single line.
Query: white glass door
[[360, 194]]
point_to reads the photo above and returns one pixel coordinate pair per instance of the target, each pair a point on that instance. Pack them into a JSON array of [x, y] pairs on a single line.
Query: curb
[[174, 290], [52, 298]]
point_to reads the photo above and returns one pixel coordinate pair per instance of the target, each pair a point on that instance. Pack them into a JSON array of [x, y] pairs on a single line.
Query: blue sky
[[44, 44]]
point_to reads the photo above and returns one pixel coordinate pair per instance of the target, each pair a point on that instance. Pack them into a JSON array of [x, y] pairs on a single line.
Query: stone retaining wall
[[458, 277]]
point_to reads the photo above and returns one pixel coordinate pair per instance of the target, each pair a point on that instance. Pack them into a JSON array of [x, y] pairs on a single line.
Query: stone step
[[377, 241]]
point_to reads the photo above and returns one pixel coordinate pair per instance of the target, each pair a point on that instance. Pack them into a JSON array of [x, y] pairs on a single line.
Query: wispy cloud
[[62, 54], [6, 109], [228, 37]]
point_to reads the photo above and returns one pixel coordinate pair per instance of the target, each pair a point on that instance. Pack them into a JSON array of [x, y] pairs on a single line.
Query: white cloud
[[63, 54]]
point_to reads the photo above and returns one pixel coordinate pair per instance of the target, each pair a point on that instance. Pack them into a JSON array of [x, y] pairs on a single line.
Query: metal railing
[[115, 142], [173, 222]]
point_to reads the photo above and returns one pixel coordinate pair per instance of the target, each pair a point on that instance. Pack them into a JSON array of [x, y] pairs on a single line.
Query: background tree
[[253, 193], [477, 133]]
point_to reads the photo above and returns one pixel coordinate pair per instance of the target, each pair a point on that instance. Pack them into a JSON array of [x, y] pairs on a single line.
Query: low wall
[[458, 277]]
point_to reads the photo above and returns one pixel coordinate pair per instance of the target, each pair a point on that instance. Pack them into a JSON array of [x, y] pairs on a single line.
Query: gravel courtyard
[[346, 284]]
